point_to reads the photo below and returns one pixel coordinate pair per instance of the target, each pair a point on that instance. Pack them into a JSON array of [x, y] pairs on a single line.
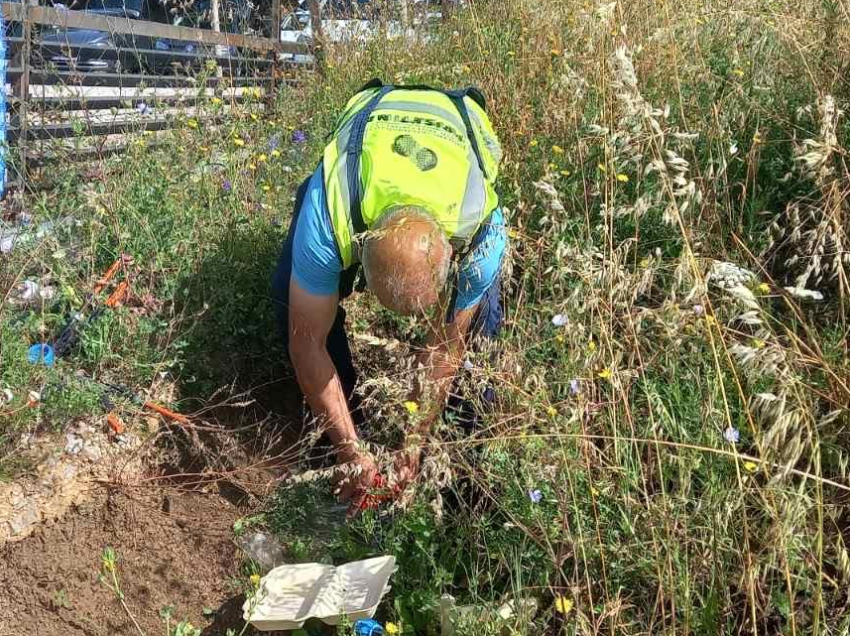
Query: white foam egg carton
[[290, 594]]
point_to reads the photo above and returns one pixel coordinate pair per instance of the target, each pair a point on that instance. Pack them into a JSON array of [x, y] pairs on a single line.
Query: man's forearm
[[320, 384]]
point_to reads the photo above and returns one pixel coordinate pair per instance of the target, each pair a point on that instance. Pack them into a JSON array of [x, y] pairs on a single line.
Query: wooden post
[[24, 92], [318, 36], [216, 26], [274, 67], [405, 14]]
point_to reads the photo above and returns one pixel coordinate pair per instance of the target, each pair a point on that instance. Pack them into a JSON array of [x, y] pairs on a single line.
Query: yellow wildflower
[[644, 262], [411, 406], [252, 166], [764, 288], [262, 158], [739, 72], [560, 339], [556, 52], [605, 374], [563, 605], [275, 153], [205, 148], [601, 167], [710, 320], [511, 53], [591, 346], [238, 142], [623, 178], [266, 187], [216, 101], [391, 628], [565, 173], [533, 143], [757, 138], [192, 123], [551, 411], [557, 150], [758, 343], [750, 467], [254, 116], [594, 492], [255, 580]]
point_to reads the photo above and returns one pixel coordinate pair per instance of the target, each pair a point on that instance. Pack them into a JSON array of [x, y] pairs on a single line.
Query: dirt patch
[[174, 548]]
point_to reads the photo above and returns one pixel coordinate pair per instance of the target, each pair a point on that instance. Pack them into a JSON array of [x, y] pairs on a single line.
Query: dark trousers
[[487, 321]]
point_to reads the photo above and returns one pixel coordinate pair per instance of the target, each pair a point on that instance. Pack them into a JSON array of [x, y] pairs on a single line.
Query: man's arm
[[310, 320], [444, 349]]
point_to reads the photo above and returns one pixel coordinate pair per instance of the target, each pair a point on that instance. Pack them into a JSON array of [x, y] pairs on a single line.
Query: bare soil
[[174, 548]]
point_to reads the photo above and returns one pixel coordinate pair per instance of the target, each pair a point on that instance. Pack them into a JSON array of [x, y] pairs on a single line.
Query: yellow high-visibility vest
[[410, 146]]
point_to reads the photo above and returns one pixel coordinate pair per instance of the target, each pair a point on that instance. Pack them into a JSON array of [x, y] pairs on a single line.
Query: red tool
[[381, 494]]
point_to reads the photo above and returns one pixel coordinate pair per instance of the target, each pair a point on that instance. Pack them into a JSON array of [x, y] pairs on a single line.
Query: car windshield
[[115, 6]]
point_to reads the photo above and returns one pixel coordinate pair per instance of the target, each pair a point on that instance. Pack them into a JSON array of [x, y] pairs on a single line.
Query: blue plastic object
[[41, 353], [368, 627], [2, 107]]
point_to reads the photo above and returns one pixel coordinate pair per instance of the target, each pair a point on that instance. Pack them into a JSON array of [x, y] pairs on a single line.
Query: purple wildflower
[[142, 107], [299, 136], [227, 186], [699, 310], [732, 435], [575, 386], [535, 495], [274, 141]]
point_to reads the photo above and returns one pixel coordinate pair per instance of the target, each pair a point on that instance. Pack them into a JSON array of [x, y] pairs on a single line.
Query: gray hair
[[387, 220]]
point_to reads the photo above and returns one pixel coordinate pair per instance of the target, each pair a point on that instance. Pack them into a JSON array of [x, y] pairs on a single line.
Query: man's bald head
[[406, 259]]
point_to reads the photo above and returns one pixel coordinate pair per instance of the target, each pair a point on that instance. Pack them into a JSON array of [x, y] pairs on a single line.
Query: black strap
[[353, 152]]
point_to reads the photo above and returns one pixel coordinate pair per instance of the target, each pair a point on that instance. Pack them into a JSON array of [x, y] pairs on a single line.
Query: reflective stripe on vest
[[416, 139]]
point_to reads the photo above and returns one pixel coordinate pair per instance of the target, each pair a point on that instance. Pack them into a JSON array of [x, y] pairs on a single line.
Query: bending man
[[405, 191]]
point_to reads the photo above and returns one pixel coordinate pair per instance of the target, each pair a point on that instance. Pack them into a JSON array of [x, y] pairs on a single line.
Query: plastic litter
[[11, 236], [290, 594], [41, 354], [368, 627], [262, 548], [29, 292]]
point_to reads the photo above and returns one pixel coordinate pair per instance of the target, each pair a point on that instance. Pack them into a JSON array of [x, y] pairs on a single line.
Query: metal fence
[[78, 81]]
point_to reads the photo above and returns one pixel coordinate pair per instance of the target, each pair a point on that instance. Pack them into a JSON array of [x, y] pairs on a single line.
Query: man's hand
[[355, 474], [406, 467]]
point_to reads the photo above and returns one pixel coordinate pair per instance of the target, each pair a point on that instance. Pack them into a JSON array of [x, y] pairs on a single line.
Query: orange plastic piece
[[115, 423]]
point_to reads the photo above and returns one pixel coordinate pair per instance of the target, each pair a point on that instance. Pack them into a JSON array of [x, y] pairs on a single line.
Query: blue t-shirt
[[316, 264]]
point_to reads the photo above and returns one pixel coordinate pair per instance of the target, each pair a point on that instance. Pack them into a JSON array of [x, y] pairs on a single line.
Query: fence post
[[275, 65], [23, 92], [318, 36], [446, 10]]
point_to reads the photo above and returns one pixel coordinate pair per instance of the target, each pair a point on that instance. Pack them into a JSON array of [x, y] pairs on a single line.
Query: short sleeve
[[316, 265], [480, 269]]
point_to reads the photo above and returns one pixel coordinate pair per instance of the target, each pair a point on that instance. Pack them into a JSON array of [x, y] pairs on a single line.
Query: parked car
[[234, 17], [89, 50]]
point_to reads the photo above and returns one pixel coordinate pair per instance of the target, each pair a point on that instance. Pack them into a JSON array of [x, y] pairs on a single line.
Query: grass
[[644, 142]]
